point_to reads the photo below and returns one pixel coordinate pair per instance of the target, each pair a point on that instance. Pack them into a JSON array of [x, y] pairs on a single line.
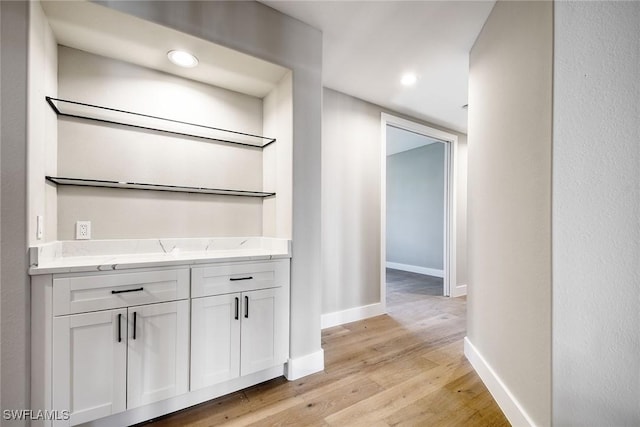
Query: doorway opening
[[417, 207]]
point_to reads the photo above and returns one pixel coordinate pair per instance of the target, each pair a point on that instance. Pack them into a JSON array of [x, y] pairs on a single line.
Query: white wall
[[351, 139], [415, 207], [14, 295], [509, 208], [260, 31], [461, 213], [1, 117], [277, 166], [350, 202], [596, 206], [43, 137], [92, 150]]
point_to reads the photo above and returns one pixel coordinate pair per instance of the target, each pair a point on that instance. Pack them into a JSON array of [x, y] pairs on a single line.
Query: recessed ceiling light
[[408, 79], [182, 58]]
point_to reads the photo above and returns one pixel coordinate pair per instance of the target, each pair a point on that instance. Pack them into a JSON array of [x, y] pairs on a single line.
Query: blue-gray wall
[[415, 206]]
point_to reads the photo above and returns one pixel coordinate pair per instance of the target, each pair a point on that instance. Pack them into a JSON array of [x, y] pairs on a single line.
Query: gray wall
[[14, 295], [415, 206], [509, 205], [94, 151], [351, 147], [596, 206]]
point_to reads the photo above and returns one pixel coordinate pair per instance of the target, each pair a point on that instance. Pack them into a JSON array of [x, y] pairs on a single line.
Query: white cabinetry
[[90, 365], [107, 361], [119, 348], [158, 352], [238, 333], [261, 333], [215, 340]]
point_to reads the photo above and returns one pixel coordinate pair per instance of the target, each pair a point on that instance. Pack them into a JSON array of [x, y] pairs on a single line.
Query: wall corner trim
[[512, 409], [305, 365], [349, 315]]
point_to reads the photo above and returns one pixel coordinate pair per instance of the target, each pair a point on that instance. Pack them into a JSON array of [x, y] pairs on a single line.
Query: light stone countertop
[[113, 255]]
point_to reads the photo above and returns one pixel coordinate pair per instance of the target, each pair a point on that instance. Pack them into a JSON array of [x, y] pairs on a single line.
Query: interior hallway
[[404, 368]]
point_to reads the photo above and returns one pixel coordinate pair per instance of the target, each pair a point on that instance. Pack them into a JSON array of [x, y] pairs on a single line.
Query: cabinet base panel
[[184, 401], [305, 365]]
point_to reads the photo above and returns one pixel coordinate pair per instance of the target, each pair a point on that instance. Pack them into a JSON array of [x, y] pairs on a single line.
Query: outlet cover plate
[[83, 230]]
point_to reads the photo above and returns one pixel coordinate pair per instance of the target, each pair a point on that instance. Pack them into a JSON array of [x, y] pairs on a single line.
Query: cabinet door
[[262, 331], [90, 364], [158, 362], [215, 339]]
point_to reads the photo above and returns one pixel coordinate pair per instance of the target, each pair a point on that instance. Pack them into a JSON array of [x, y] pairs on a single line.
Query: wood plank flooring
[[405, 368]]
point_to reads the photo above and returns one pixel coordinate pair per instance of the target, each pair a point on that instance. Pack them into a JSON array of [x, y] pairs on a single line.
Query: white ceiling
[[399, 140], [368, 45], [107, 32]]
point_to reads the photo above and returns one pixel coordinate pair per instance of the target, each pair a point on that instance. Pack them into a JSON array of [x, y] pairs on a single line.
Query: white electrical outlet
[[83, 230]]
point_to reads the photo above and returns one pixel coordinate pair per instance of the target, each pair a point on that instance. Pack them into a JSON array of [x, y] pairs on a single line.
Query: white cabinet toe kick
[[120, 348]]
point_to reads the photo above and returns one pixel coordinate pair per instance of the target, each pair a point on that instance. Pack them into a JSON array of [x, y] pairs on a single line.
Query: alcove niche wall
[[90, 54]]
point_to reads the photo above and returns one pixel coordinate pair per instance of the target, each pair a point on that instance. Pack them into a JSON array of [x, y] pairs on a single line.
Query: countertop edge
[[120, 265]]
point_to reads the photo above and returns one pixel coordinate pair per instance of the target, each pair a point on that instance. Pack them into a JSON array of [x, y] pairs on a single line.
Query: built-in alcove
[[118, 36], [97, 56]]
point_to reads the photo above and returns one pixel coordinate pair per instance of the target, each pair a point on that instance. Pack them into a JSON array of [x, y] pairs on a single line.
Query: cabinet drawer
[[108, 291], [238, 277]]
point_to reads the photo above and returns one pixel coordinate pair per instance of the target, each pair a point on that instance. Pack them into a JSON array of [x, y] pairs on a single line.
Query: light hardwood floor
[[405, 368]]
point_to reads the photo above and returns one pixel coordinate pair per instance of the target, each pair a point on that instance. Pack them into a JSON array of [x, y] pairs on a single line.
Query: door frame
[[450, 140]]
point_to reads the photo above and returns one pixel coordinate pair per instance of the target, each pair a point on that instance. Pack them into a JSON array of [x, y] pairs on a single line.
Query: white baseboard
[[305, 365], [336, 318], [458, 291], [512, 409], [416, 269]]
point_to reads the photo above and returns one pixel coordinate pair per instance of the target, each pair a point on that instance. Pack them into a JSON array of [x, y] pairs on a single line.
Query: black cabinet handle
[[119, 327], [128, 290], [246, 307], [237, 304], [235, 279], [135, 315]]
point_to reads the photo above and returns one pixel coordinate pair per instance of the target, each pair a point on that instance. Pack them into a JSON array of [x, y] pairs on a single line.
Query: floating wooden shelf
[[154, 187], [66, 108]]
